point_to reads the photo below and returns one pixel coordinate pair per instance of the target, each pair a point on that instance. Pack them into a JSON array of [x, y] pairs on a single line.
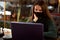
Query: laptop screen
[[27, 31]]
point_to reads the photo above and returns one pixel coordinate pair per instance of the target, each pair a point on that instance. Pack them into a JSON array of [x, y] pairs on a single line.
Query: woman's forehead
[[37, 7]]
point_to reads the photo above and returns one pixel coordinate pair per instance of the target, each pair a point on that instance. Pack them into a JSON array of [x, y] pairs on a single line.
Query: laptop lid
[[27, 31]]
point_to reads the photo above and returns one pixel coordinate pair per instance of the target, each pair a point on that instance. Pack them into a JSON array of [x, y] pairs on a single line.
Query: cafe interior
[[15, 16]]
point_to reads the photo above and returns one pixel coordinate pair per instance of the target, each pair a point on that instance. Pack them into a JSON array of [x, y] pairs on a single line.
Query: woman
[[41, 15], [14, 16]]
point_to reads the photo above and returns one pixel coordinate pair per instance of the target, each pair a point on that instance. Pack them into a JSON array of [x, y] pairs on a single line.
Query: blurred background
[[21, 10]]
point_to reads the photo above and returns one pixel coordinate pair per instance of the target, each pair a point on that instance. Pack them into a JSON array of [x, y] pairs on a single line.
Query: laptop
[[27, 31]]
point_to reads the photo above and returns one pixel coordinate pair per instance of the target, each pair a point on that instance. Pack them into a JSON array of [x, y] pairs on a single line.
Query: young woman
[[41, 15]]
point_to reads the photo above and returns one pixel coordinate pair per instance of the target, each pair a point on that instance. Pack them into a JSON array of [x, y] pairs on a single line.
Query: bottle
[[1, 32]]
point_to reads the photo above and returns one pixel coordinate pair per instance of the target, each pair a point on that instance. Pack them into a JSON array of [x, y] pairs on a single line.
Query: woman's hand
[[35, 18]]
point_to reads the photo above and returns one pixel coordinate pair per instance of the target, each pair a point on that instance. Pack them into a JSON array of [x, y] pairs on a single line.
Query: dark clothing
[[44, 20], [49, 38], [50, 30]]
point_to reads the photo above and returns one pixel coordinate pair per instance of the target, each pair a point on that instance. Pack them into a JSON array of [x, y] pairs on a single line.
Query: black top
[[44, 20]]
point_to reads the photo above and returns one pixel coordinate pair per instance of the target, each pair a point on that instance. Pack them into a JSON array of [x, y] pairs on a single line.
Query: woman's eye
[[40, 10], [36, 9]]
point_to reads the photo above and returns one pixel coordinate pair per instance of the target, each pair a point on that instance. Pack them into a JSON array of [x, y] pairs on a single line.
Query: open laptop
[[27, 31]]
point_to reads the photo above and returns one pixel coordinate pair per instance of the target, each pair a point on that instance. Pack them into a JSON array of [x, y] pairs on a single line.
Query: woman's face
[[38, 8], [14, 15]]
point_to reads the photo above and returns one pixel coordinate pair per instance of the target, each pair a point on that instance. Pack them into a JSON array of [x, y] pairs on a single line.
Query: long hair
[[44, 8]]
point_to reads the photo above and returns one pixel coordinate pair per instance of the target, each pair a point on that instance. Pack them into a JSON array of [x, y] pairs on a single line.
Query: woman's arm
[[52, 30]]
